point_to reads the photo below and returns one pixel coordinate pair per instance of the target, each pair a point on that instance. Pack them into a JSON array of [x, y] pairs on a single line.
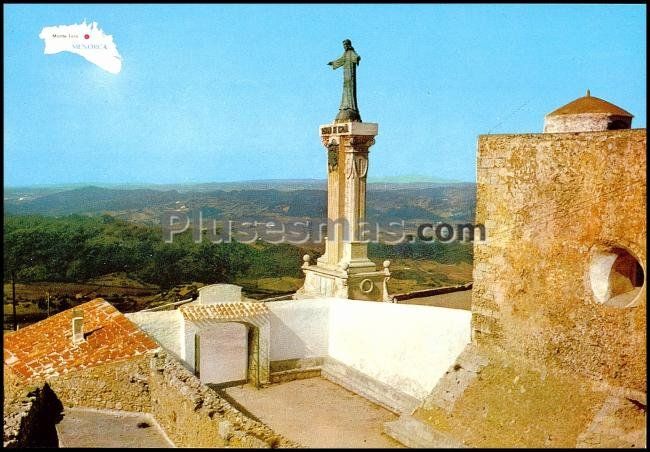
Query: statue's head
[[347, 44]]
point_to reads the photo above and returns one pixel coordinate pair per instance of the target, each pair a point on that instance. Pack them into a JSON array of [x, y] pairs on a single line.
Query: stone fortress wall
[[550, 203], [558, 352]]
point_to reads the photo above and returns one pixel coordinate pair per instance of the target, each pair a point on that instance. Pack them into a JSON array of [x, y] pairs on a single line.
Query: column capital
[[358, 143]]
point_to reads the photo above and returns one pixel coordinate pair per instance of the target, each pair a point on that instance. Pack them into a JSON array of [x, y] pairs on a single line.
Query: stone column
[[355, 253], [344, 270]]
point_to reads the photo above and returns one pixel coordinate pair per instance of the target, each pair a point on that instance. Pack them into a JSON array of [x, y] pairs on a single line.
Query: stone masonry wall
[[545, 201], [12, 386], [30, 413], [121, 385], [192, 415]]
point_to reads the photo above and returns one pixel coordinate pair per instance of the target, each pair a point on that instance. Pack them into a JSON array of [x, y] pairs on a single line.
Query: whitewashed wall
[[224, 353], [166, 327], [408, 347], [219, 293], [299, 329], [188, 349]]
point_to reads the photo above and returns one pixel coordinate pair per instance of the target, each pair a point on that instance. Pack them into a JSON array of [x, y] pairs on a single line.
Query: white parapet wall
[[166, 327], [299, 329], [407, 347]]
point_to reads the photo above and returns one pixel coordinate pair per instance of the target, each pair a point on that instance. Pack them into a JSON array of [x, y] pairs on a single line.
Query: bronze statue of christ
[[348, 111]]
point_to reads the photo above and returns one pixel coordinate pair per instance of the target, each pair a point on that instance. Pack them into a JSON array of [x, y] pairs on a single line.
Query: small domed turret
[[587, 114]]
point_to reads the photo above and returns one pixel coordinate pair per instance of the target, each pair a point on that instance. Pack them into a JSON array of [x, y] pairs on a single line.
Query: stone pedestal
[[345, 270]]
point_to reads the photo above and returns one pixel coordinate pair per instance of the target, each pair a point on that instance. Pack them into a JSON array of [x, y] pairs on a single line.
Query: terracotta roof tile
[[46, 348], [194, 312]]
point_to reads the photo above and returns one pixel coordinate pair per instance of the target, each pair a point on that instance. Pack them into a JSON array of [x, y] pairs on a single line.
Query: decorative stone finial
[[305, 260], [386, 270]]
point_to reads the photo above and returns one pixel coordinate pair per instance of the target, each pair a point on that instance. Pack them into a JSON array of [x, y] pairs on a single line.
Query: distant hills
[[412, 179], [411, 199], [263, 184]]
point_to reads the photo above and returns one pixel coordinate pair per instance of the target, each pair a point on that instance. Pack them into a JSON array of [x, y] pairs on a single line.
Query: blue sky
[[212, 93]]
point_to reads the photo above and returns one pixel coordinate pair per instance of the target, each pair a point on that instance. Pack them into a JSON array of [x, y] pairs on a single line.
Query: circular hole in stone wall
[[616, 276]]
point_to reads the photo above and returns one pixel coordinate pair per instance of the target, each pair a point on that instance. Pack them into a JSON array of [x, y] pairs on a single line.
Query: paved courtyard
[[316, 413], [81, 427]]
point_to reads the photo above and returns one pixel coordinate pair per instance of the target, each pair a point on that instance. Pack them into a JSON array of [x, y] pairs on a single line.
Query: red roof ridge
[[46, 348]]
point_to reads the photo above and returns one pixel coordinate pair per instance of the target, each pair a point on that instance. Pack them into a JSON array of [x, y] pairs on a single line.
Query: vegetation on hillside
[[62, 261], [431, 202], [77, 248], [444, 253]]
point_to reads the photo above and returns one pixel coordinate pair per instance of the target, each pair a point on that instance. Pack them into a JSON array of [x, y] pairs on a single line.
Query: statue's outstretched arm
[[337, 63]]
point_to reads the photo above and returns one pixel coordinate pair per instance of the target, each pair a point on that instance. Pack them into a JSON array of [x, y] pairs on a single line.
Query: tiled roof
[[222, 311], [589, 104], [46, 349]]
